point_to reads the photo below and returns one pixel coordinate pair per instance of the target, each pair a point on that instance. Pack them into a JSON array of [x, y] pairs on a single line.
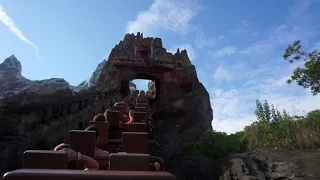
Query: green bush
[[217, 144], [283, 130], [270, 129]]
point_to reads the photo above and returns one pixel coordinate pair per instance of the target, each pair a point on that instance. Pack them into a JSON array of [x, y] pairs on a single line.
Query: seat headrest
[[129, 162], [45, 159]]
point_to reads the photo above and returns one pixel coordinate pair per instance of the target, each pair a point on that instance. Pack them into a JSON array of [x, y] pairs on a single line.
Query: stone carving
[[158, 42]]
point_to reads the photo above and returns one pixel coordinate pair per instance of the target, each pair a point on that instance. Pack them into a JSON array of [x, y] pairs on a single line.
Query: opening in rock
[[141, 81], [141, 84], [148, 86]]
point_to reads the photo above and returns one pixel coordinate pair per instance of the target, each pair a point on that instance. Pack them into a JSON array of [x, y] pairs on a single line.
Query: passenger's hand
[[157, 165], [72, 155]]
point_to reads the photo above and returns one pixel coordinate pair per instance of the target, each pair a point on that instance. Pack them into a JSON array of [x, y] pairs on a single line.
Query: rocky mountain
[[132, 86], [13, 83], [94, 76]]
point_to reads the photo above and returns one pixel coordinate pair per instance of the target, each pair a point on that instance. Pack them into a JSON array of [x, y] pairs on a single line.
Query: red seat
[[141, 105], [120, 109], [45, 159], [113, 117], [134, 142], [103, 128], [129, 162], [141, 101], [137, 127], [140, 109], [125, 106], [83, 141], [139, 117]]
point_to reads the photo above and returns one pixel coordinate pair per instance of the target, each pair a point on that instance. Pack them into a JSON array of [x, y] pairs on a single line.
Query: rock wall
[[31, 121], [186, 112]]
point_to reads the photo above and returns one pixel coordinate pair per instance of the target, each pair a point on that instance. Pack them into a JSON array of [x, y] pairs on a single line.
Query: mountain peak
[[96, 73], [11, 65]]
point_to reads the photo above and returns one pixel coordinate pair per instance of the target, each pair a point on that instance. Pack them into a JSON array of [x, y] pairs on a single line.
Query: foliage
[[217, 144], [281, 129], [309, 75], [271, 128]]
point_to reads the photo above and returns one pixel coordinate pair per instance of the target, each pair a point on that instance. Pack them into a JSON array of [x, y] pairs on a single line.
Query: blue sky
[[236, 46]]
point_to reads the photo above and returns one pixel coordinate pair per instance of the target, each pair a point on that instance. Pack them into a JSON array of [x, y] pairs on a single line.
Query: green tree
[[286, 116], [266, 110], [309, 75], [259, 112]]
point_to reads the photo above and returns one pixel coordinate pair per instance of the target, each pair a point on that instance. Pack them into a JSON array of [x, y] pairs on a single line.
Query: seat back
[[135, 142], [45, 159], [83, 141], [52, 174], [129, 162], [141, 105], [141, 109], [113, 117], [103, 128], [137, 127], [141, 100], [103, 162], [138, 117], [120, 109], [125, 106]]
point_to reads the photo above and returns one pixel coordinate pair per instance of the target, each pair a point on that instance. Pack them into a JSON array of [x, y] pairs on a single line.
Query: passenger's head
[[117, 104], [93, 128], [125, 101], [72, 155], [105, 114], [141, 93], [62, 146], [99, 117]]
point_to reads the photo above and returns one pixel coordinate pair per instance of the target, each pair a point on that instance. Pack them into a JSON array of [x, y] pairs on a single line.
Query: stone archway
[[126, 74]]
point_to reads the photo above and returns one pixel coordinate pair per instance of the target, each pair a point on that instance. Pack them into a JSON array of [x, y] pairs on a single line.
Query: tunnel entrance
[[142, 79], [141, 84]]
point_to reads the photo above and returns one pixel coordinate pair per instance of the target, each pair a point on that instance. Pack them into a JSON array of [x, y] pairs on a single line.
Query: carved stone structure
[[181, 106], [144, 58]]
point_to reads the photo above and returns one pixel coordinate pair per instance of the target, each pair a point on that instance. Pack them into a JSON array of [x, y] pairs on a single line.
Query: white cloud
[[234, 105], [6, 20], [191, 52], [298, 26], [280, 36], [229, 113], [202, 40], [224, 52], [221, 74], [234, 108], [172, 15]]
